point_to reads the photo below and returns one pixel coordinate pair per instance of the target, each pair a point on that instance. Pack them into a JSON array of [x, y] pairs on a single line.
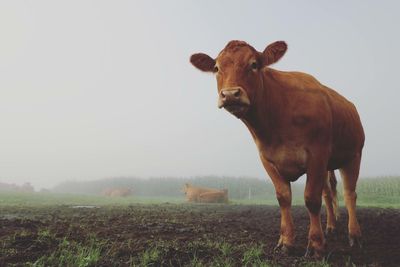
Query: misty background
[[95, 89]]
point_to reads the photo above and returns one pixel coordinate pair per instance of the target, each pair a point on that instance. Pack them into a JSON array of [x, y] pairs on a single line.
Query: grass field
[[46, 229], [372, 192], [46, 199]]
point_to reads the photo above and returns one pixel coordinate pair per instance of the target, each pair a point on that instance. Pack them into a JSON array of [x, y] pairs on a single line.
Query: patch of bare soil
[[183, 234]]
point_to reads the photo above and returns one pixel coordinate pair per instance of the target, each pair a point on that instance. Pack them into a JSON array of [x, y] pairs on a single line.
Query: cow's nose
[[230, 94]]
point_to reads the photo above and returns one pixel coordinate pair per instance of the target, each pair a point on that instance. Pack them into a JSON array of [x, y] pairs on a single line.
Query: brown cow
[[299, 126], [117, 192], [214, 197], [26, 187], [204, 194]]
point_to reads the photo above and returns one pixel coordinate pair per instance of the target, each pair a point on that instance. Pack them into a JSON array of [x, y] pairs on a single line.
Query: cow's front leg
[[316, 174], [284, 196], [287, 235]]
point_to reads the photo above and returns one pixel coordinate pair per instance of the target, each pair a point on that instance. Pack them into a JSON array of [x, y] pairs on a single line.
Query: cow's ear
[[273, 52], [203, 62]]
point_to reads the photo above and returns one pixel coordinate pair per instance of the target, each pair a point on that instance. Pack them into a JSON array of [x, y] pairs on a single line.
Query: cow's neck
[[262, 118]]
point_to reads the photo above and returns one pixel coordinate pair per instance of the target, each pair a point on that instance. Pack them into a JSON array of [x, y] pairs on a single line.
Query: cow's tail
[[333, 184]]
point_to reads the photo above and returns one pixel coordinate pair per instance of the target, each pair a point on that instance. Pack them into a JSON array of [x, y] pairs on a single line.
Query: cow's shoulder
[[301, 98], [293, 80]]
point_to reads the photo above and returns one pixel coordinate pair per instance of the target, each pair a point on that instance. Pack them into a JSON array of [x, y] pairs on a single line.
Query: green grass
[[45, 199], [252, 256], [223, 255], [71, 253], [381, 192], [48, 199], [150, 257]]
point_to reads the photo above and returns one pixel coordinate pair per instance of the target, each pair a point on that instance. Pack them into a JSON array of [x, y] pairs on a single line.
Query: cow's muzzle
[[234, 100]]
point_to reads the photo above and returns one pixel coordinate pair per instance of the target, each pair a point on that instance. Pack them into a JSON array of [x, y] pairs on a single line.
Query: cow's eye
[[254, 66], [216, 69]]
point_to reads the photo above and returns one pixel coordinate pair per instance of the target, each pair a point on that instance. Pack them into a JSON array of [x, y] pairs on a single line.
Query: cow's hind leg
[[349, 175], [330, 197]]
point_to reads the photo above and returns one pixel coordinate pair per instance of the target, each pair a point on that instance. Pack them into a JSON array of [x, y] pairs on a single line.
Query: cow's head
[[185, 188], [238, 69]]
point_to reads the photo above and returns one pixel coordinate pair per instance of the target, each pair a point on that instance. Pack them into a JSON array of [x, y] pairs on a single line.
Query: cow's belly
[[290, 162]]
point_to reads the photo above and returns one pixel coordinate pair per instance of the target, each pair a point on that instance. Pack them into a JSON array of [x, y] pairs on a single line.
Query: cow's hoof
[[355, 242], [283, 249], [330, 233], [314, 253]]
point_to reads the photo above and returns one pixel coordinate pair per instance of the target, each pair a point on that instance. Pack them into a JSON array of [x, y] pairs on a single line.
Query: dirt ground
[[183, 233]]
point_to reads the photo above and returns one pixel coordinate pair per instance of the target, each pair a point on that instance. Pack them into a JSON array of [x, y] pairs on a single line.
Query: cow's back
[[214, 197], [204, 194]]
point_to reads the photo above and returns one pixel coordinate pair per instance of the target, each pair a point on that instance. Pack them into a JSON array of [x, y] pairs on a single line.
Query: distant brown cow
[[300, 127], [26, 187], [214, 197], [117, 192], [204, 194]]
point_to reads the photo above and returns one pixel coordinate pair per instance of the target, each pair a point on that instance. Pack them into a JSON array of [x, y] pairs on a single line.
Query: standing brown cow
[[299, 126]]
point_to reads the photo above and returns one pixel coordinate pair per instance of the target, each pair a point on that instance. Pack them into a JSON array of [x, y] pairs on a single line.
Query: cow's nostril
[[230, 94]]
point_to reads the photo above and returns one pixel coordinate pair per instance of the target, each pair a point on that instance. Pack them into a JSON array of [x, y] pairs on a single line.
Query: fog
[[94, 89]]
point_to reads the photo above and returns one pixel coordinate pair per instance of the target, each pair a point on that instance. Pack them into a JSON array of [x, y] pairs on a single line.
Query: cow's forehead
[[235, 53]]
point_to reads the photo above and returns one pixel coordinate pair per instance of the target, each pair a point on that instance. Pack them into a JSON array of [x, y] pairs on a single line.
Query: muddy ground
[[185, 235]]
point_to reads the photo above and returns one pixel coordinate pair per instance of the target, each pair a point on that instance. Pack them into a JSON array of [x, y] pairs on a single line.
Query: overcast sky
[[94, 89]]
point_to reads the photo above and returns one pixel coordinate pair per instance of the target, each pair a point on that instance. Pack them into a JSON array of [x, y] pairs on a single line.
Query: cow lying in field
[[300, 126], [117, 192], [205, 195]]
